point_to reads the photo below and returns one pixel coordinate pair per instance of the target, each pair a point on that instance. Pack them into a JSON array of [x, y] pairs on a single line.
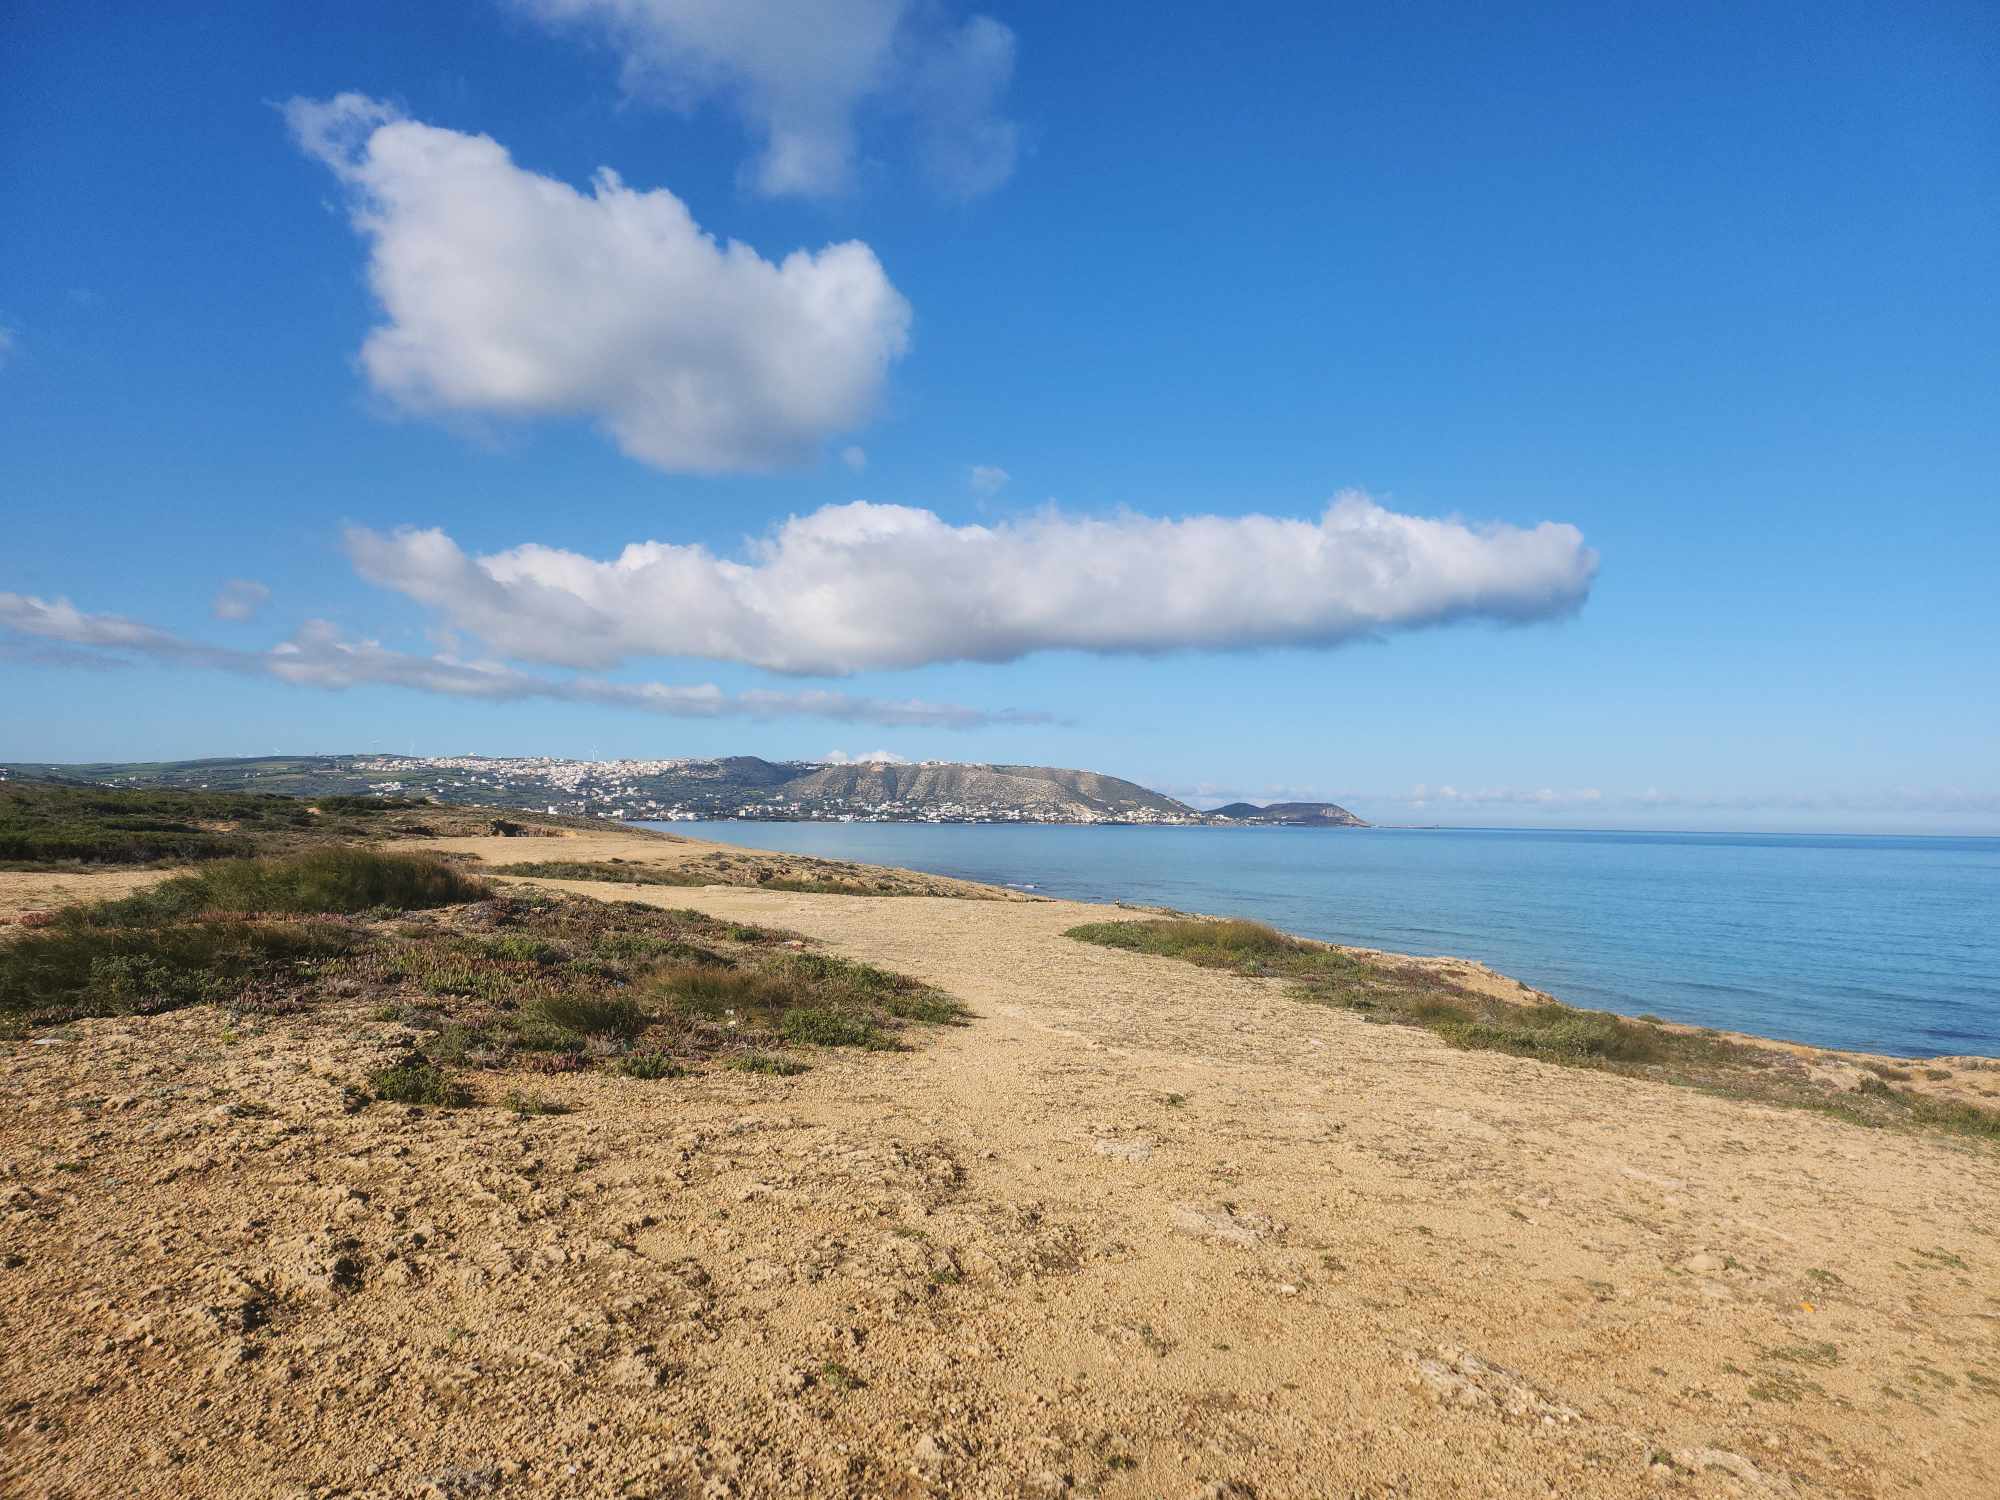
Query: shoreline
[[1854, 1063], [1645, 991]]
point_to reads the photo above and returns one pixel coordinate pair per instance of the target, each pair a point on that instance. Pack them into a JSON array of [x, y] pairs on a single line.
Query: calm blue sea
[[1882, 944]]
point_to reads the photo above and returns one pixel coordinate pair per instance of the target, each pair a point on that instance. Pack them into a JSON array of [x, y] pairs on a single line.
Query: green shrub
[[366, 805], [1247, 947], [418, 1080], [528, 1105], [821, 1026], [591, 1015], [760, 1062], [67, 971], [717, 994], [650, 1065], [321, 880], [456, 1042], [844, 981], [519, 947], [602, 872]]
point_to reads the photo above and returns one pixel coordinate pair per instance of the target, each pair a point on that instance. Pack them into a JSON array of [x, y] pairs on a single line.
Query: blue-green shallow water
[[1882, 944]]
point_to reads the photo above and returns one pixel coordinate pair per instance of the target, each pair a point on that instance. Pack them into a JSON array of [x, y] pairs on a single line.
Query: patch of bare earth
[[1140, 1229], [31, 892]]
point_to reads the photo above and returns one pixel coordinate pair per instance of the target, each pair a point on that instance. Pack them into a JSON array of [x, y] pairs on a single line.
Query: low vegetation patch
[[650, 1065], [74, 970], [52, 823], [321, 881], [531, 982], [817, 877], [765, 1063], [1240, 946], [1402, 993], [418, 1080], [605, 872], [807, 999]]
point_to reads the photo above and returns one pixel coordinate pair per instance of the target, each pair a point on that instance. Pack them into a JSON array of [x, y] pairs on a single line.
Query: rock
[[1222, 1223], [931, 1451], [1736, 1466], [1704, 1264], [1458, 1377], [1133, 1150]]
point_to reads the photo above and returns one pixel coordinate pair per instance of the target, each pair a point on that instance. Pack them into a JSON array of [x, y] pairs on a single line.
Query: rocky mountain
[[1036, 793], [1290, 814]]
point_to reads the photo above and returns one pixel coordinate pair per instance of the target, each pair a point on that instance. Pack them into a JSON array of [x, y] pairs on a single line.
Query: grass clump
[[1400, 992], [528, 1106], [803, 998], [603, 872], [44, 823], [835, 1374], [418, 1080], [318, 881], [650, 1065], [591, 1015], [823, 1026], [767, 1064], [523, 948], [1243, 946]]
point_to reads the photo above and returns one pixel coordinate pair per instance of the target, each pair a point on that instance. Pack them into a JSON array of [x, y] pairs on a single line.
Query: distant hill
[[1044, 793], [1290, 814], [735, 786]]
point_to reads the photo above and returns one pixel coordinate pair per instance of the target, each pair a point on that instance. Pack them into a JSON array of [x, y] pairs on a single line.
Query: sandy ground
[[1139, 1229], [44, 890]]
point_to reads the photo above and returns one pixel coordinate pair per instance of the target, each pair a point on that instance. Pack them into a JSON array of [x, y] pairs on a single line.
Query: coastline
[[1790, 949], [1136, 1228]]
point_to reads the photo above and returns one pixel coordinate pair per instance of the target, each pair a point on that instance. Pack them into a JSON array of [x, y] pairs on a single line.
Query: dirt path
[[1138, 1230]]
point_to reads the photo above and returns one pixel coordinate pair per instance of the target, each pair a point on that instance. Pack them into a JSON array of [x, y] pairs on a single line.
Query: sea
[[1878, 944]]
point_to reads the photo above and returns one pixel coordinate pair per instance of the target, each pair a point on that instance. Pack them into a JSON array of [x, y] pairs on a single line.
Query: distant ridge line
[[686, 787]]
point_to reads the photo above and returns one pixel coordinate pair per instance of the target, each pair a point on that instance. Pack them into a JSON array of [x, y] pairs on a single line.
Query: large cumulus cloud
[[510, 294], [862, 586]]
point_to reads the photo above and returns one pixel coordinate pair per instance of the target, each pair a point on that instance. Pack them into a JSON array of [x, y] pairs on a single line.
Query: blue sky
[[1698, 305]]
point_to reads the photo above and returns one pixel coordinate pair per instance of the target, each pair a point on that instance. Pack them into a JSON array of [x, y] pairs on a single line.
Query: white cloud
[[866, 758], [7, 342], [239, 599], [510, 294], [856, 458], [318, 657], [987, 479], [860, 586], [800, 71]]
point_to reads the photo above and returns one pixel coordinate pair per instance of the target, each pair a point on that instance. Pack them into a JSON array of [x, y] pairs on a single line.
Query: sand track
[[1138, 1230]]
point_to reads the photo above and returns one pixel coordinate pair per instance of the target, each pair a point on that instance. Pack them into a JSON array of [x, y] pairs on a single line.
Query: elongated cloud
[[509, 294], [239, 599], [799, 72], [862, 586], [318, 657]]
